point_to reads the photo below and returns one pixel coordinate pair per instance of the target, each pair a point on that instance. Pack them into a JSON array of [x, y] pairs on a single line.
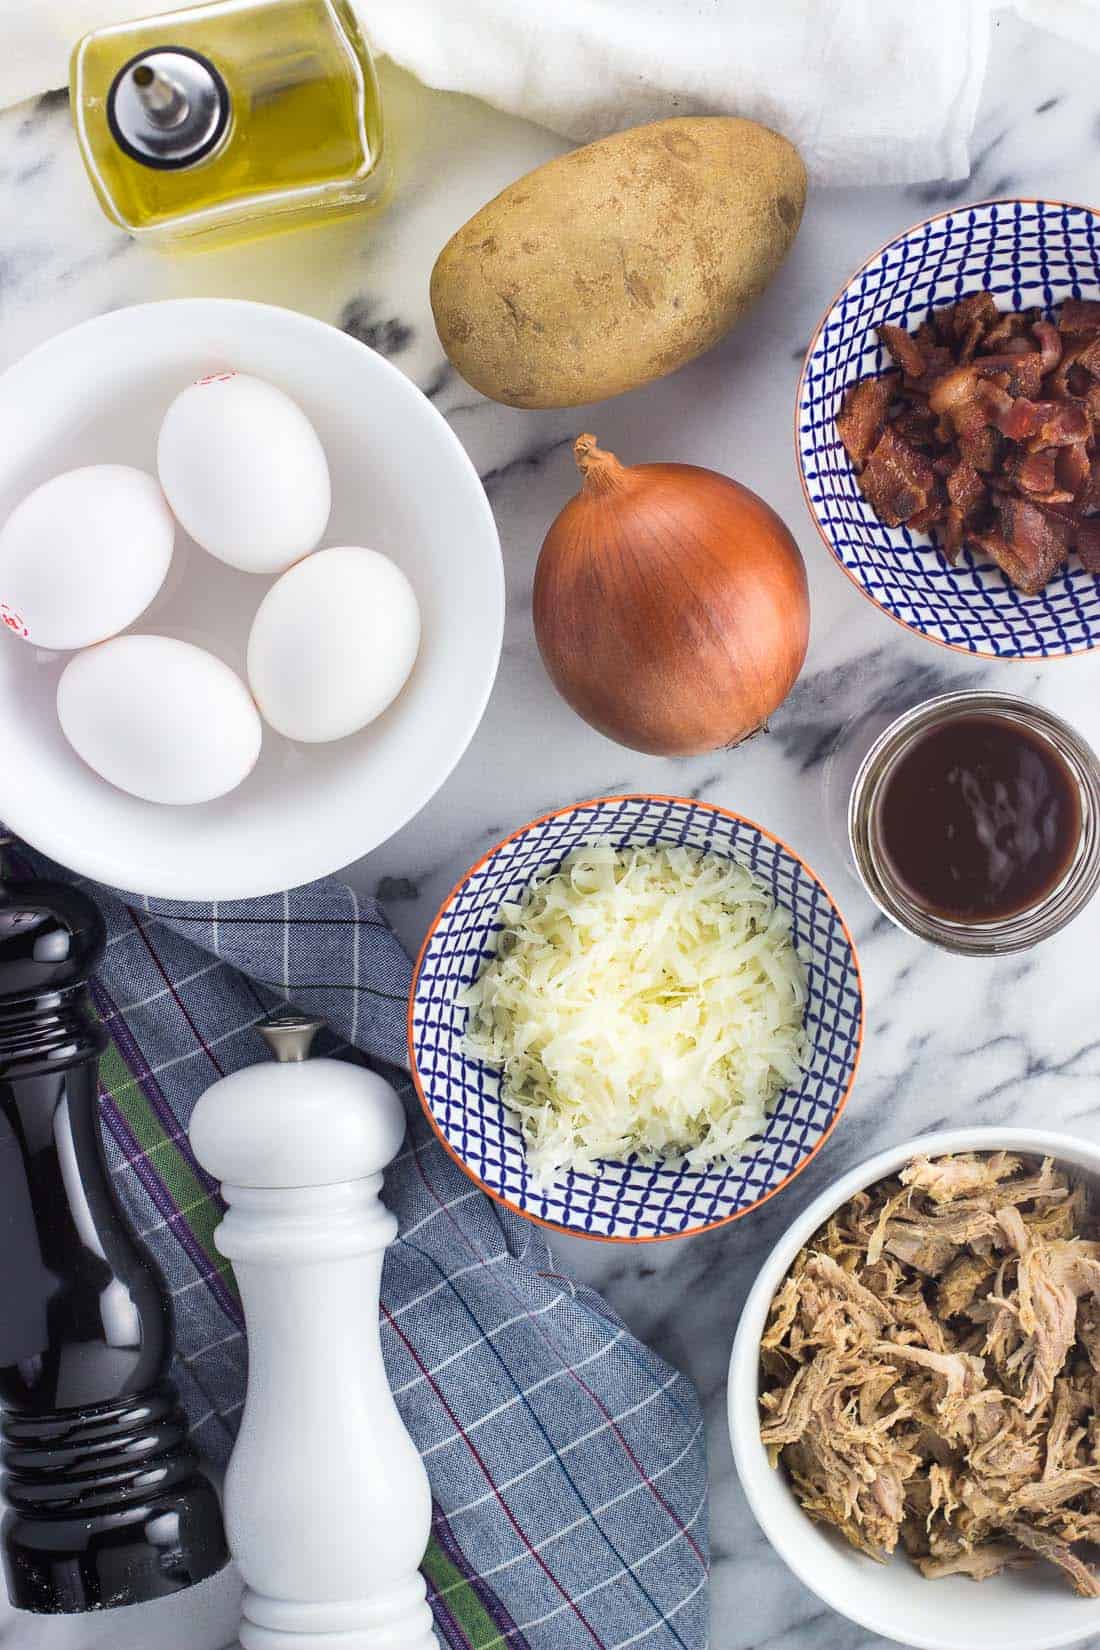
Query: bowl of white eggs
[[251, 599]]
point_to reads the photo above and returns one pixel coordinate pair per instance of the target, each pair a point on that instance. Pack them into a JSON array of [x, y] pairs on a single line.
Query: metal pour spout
[[163, 98], [290, 1035], [169, 108]]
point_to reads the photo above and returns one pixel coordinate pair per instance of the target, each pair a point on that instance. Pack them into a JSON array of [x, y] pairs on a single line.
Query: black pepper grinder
[[106, 1502]]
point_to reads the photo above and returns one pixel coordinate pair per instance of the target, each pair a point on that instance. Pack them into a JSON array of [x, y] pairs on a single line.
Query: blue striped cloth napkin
[[567, 1461]]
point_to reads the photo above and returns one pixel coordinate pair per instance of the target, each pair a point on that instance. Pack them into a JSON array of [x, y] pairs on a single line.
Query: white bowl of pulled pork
[[948, 429], [914, 1387]]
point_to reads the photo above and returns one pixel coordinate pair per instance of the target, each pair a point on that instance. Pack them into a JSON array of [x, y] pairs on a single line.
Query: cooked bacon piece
[[1021, 421], [933, 513], [1069, 379], [1051, 475], [1010, 325], [1088, 356], [1088, 548], [955, 320], [954, 390], [916, 423], [1079, 315], [1015, 416], [862, 417], [1056, 424], [988, 432], [1036, 536], [1001, 484], [897, 480], [957, 398], [1040, 423], [1072, 472], [1064, 512], [1023, 370], [1008, 349], [938, 359], [980, 444], [967, 496], [1034, 473], [904, 350], [965, 487], [971, 338], [1029, 545], [1049, 340]]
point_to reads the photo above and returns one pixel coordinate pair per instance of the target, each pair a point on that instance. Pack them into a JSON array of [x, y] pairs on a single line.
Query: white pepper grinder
[[327, 1505]]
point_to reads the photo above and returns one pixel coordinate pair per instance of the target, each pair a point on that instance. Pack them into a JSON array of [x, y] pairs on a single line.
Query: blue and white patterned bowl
[[629, 1201], [1027, 253]]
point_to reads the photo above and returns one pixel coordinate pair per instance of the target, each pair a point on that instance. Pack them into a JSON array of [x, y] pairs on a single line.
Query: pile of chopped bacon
[[988, 433], [930, 1370]]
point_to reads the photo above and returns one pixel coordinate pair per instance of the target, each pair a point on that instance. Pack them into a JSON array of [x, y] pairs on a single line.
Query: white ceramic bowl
[[1027, 1609], [402, 484]]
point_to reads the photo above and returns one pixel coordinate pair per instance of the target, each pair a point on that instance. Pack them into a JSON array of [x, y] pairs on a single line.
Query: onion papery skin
[[671, 606]]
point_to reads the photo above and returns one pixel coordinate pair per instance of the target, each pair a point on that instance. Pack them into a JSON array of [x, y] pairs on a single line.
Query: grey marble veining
[[948, 1039]]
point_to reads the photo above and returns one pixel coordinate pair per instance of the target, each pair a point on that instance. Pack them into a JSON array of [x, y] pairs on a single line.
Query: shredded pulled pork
[[929, 1369], [986, 433]]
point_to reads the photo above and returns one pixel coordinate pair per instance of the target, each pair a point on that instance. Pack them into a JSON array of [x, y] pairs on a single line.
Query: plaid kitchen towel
[[567, 1462]]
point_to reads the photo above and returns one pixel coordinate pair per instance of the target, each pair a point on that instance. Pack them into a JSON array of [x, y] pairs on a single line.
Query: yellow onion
[[671, 607]]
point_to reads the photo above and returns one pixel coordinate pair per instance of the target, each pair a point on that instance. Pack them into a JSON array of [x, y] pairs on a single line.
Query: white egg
[[159, 718], [333, 643], [243, 469], [83, 556]]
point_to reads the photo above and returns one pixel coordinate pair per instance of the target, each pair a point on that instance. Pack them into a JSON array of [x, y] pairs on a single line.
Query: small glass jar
[[975, 937], [222, 121]]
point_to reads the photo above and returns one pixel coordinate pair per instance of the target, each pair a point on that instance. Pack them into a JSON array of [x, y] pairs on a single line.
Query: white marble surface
[[947, 1039]]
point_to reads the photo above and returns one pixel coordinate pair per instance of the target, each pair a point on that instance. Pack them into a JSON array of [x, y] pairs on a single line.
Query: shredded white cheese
[[645, 1000]]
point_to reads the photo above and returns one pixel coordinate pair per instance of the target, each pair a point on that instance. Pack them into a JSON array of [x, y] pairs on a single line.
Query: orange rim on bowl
[[593, 803]]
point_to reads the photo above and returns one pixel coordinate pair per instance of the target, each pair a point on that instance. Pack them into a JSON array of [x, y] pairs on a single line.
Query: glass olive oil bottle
[[222, 121]]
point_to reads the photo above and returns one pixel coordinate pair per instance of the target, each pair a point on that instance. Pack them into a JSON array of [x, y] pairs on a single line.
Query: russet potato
[[617, 263]]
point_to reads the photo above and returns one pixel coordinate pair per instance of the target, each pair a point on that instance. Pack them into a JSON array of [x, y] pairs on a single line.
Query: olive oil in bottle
[[226, 120]]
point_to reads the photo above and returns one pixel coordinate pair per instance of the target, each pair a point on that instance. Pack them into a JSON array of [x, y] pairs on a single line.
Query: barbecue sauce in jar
[[979, 818]]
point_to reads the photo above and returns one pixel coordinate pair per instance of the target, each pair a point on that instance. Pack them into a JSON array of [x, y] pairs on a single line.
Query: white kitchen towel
[[871, 91]]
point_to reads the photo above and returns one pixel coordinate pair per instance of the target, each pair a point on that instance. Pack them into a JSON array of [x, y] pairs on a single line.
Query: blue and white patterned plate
[[629, 1201], [1027, 253]]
